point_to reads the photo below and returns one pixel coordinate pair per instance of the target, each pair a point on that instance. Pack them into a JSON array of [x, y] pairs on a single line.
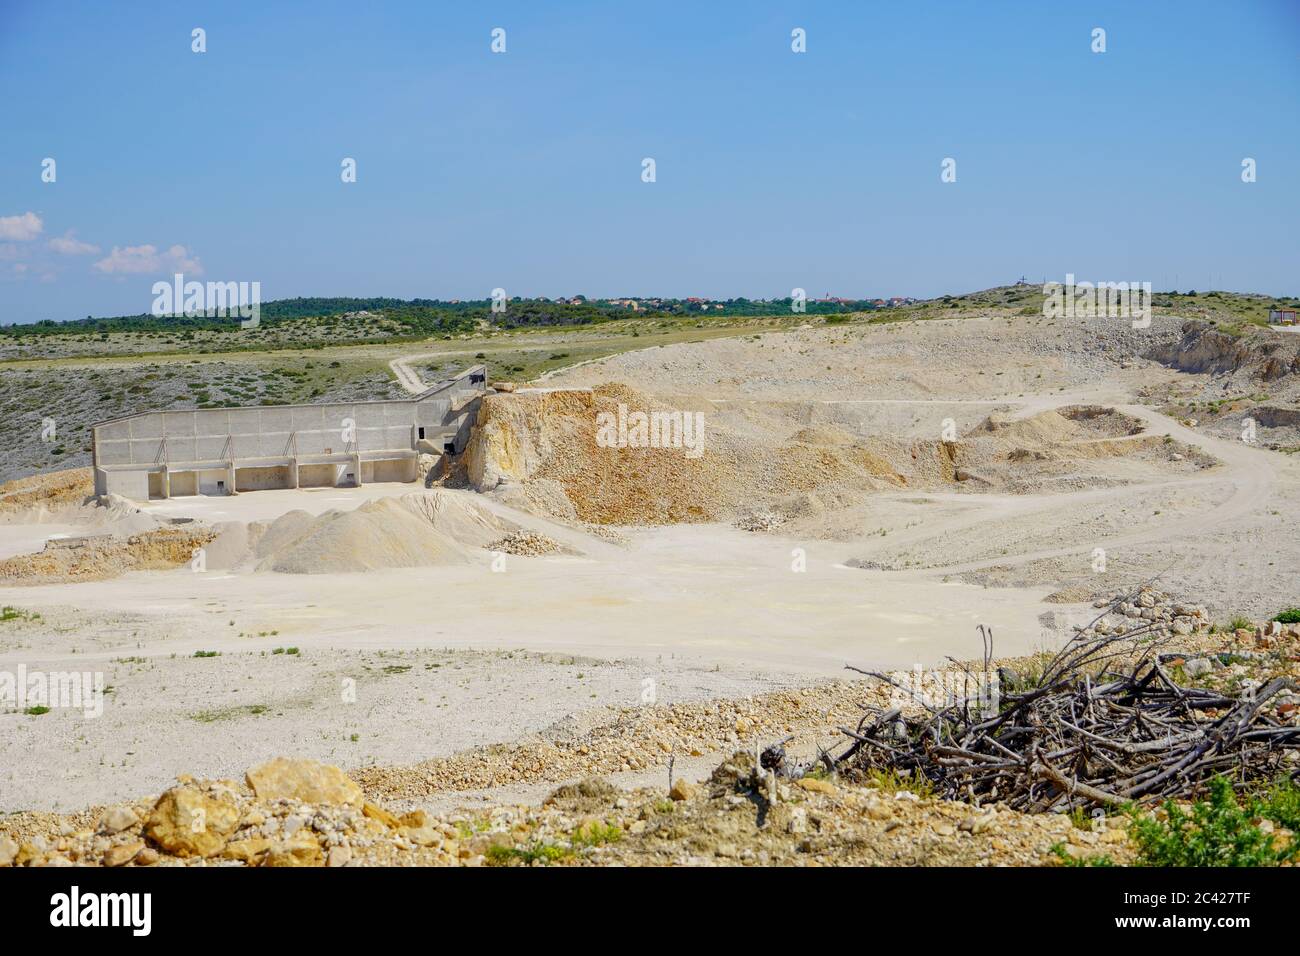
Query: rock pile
[[286, 813], [1150, 610], [527, 543], [759, 521], [96, 557], [300, 813]]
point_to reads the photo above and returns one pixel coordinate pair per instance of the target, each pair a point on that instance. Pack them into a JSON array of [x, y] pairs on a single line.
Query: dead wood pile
[[1106, 724]]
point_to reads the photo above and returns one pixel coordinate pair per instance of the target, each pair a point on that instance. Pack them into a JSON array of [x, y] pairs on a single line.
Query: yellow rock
[[682, 789], [305, 780], [375, 812], [247, 851], [817, 784], [416, 818], [26, 854], [422, 836], [121, 855], [294, 853], [187, 822], [879, 810]]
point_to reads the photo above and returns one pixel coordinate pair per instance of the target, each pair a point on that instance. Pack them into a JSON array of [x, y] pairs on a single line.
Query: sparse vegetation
[[11, 613], [1220, 830]]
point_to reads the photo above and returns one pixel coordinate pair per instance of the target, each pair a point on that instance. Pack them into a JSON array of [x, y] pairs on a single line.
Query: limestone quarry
[[435, 672]]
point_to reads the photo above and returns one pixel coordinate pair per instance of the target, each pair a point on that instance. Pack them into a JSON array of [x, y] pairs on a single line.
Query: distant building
[[1281, 316]]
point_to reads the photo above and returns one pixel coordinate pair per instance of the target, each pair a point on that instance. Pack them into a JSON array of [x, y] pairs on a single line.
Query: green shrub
[[1290, 616], [1218, 831]]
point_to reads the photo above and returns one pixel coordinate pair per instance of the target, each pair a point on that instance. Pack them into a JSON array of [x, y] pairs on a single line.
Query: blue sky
[[522, 170]]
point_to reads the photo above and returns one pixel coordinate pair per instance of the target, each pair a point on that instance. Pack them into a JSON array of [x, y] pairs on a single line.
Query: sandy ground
[[901, 578]]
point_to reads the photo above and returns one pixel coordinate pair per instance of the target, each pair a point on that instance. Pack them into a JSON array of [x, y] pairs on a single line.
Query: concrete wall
[[128, 484], [208, 440], [394, 469], [317, 476], [183, 483], [263, 478]]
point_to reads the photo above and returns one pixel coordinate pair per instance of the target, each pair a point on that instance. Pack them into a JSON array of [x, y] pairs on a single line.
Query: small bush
[[1290, 616], [1218, 831]]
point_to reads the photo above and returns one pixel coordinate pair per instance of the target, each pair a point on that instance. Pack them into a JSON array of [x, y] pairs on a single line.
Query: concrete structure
[[220, 451], [1281, 316]]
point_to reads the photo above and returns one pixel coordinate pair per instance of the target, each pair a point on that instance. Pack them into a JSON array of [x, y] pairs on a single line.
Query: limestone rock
[[121, 855], [305, 780], [8, 850], [297, 852], [682, 789], [117, 820], [376, 812], [246, 851], [339, 856], [187, 822], [816, 784]]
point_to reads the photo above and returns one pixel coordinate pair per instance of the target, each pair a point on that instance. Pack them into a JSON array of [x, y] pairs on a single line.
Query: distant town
[[698, 304]]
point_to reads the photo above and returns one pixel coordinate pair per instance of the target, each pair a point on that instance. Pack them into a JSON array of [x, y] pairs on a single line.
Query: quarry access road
[[406, 376]]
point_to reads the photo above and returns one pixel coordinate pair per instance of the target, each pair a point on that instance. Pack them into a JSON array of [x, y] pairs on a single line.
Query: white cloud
[[147, 259], [70, 245], [22, 228]]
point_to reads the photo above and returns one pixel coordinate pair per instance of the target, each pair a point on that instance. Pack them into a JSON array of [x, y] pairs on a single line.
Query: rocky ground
[[288, 812]]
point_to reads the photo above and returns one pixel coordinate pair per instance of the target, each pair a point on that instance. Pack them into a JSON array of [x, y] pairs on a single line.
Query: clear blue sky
[[775, 170]]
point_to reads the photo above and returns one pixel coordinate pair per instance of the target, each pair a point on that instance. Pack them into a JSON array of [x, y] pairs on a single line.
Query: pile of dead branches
[[1091, 731]]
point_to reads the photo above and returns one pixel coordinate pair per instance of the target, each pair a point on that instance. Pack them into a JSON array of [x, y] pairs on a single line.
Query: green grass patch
[[891, 781], [11, 613], [229, 713]]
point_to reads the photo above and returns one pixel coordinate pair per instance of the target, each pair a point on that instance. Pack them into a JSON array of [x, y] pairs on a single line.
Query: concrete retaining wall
[[199, 447]]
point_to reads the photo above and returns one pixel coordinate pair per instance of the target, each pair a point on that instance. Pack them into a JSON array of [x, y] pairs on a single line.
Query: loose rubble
[[528, 543]]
